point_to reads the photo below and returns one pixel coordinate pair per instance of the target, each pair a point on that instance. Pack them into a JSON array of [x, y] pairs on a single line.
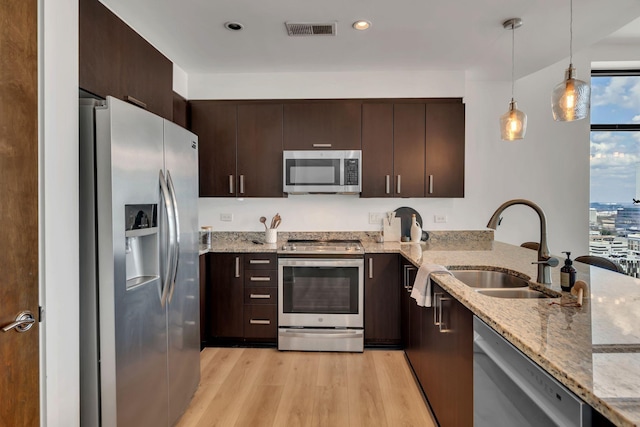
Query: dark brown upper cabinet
[[393, 149], [240, 152], [409, 150], [413, 149], [115, 60], [444, 161], [179, 110], [260, 150], [322, 125], [377, 150], [215, 124]]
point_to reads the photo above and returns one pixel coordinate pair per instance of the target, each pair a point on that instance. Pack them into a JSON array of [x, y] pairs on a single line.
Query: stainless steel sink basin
[[489, 279], [513, 293]]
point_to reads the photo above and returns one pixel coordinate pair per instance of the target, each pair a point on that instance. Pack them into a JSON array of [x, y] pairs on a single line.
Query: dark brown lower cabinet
[[381, 300], [438, 342], [225, 296], [241, 295], [204, 325]]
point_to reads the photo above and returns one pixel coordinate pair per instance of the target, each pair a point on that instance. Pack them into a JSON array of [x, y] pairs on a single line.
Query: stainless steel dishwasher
[[509, 389]]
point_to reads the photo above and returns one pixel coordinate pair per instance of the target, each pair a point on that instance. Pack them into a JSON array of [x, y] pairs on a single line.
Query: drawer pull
[[321, 145], [259, 322], [260, 296], [260, 279], [259, 261]]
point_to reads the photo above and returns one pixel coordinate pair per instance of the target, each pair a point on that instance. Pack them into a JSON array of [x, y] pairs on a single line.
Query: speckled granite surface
[[594, 350]]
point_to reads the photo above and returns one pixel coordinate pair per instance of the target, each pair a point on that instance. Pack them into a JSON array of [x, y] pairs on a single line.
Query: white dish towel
[[421, 291]]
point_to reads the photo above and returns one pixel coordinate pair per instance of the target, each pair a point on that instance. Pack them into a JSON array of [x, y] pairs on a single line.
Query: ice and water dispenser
[[141, 239]]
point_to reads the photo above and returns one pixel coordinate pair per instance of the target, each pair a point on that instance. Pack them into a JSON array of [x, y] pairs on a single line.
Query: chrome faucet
[[544, 259]]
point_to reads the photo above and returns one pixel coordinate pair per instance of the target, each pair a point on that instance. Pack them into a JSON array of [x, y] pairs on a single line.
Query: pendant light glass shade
[[513, 123], [570, 99]]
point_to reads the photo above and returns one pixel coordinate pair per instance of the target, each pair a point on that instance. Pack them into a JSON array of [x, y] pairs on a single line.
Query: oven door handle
[[324, 334]]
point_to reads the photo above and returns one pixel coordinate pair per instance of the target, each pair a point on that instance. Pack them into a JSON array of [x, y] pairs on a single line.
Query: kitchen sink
[[490, 279], [513, 293]]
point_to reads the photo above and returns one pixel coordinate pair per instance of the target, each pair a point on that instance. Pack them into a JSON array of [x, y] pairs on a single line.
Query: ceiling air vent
[[311, 29]]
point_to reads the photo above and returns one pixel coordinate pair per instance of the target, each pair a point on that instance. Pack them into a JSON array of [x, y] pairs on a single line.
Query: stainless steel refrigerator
[[139, 311]]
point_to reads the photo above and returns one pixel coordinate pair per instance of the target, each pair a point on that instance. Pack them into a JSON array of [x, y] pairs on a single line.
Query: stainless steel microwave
[[327, 171]]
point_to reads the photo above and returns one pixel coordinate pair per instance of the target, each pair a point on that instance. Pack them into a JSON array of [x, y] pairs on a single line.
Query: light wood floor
[[265, 387]]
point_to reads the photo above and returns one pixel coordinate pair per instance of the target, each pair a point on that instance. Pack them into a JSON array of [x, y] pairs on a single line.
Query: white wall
[[58, 134], [550, 166]]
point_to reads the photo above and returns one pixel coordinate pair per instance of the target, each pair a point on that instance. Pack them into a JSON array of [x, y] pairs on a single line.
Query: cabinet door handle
[[370, 268], [407, 270], [241, 184], [436, 311], [260, 322], [430, 184], [387, 184], [259, 296], [259, 261], [231, 190], [134, 101], [260, 279], [399, 185], [445, 329], [321, 145], [237, 272]]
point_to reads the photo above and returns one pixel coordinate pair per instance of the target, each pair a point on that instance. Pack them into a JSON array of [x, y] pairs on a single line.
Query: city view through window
[[614, 217]]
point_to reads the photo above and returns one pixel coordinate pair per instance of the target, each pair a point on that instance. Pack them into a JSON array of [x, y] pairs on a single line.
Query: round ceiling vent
[[233, 26]]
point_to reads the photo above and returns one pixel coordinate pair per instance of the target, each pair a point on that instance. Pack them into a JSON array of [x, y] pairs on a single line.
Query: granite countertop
[[594, 350]]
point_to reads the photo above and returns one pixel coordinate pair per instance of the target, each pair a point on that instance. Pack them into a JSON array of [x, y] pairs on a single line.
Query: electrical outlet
[[375, 218], [226, 217], [440, 218]]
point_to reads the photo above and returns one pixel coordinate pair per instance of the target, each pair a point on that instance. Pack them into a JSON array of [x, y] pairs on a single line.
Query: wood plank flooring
[[265, 387]]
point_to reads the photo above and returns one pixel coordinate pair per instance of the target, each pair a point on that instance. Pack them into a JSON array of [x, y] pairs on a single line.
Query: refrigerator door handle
[[168, 204], [176, 240]]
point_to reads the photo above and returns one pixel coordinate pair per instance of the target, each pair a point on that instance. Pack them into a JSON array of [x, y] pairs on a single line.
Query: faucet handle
[[551, 262]]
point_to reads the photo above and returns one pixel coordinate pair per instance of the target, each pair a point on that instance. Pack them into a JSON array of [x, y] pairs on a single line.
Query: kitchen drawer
[[261, 278], [260, 295], [260, 261], [260, 321]]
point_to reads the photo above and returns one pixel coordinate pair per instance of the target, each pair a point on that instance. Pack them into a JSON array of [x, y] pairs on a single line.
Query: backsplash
[[325, 213]]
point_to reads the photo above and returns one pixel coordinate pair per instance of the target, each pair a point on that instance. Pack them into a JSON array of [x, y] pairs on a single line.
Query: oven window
[[322, 290], [313, 171]]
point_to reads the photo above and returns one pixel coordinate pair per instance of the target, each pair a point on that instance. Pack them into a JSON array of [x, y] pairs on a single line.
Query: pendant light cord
[[570, 31], [513, 60]]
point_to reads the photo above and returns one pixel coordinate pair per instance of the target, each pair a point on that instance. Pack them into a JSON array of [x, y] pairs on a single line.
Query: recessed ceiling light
[[361, 25], [233, 26]]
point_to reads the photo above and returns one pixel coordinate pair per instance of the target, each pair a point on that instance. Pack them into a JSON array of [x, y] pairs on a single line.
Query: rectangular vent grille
[[308, 29]]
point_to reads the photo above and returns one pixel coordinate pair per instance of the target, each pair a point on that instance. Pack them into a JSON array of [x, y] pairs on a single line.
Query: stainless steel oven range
[[321, 296]]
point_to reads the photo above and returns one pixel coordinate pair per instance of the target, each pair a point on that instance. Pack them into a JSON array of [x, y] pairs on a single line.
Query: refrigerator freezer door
[[133, 323], [181, 163]]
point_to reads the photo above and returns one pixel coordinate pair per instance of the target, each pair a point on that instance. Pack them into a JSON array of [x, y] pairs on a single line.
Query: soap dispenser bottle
[[416, 230], [567, 274]]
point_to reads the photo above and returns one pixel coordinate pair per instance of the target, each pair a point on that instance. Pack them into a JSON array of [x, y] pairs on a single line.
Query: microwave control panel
[[351, 171]]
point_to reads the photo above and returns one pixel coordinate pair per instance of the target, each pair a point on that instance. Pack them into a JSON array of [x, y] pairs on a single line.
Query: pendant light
[[570, 99], [513, 123]]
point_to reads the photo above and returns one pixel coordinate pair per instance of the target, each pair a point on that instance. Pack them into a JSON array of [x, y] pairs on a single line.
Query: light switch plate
[[226, 217]]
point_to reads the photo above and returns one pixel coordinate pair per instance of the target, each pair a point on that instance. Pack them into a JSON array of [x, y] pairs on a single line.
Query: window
[[614, 218]]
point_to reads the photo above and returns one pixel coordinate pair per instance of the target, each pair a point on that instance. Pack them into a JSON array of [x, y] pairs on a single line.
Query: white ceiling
[[405, 34]]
